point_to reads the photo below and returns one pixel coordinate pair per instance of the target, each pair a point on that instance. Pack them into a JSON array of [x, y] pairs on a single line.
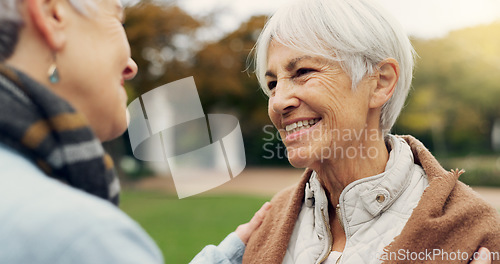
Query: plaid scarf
[[45, 129]]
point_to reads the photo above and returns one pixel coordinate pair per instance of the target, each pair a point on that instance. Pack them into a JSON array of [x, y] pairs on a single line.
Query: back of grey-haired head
[[11, 22], [357, 33]]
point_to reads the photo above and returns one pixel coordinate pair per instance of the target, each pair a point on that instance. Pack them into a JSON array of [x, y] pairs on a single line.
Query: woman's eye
[[303, 71], [271, 85]]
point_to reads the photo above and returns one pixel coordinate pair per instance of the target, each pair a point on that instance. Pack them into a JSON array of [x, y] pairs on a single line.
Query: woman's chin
[[114, 130], [299, 159], [120, 128]]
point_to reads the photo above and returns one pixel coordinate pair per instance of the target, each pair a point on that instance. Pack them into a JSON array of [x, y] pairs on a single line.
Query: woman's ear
[[49, 19], [387, 78]]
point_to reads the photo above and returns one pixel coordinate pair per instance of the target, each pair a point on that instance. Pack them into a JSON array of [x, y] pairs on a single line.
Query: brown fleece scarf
[[449, 217], [47, 130]]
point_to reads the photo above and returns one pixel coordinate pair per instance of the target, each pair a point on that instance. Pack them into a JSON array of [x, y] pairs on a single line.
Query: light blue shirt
[[45, 221], [229, 251]]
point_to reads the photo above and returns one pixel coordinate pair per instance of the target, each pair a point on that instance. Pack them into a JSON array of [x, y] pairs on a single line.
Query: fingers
[[244, 231], [483, 257], [259, 216]]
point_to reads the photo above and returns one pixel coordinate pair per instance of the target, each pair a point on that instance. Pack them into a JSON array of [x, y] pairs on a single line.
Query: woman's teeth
[[304, 124]]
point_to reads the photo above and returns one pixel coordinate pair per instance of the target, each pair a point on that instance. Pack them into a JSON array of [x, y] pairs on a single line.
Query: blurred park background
[[453, 108]]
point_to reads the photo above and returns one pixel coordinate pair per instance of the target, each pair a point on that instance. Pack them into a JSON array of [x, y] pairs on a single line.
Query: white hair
[[11, 22], [357, 33]]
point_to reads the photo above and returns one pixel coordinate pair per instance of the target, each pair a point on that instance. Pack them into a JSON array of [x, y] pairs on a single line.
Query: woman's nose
[[131, 70], [284, 99]]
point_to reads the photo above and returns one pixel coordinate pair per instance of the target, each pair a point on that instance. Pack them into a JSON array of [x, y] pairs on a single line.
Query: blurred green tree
[[456, 90], [163, 42]]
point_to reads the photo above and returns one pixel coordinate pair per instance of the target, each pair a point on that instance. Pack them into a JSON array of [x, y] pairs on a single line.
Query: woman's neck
[[335, 174]]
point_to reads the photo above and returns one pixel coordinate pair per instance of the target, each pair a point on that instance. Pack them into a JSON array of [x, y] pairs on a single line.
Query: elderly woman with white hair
[[63, 64], [337, 73]]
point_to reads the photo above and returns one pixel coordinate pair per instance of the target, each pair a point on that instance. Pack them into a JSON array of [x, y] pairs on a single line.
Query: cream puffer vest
[[373, 210]]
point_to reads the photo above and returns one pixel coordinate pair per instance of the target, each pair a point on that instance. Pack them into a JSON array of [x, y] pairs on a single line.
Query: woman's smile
[[294, 131]]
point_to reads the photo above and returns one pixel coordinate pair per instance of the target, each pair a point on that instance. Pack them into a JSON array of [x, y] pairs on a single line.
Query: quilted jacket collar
[[377, 193]]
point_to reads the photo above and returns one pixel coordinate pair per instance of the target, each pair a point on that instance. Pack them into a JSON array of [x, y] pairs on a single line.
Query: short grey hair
[[11, 23], [357, 33]]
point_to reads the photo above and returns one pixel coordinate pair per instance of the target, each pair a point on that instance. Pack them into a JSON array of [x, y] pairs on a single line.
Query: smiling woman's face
[[313, 106]]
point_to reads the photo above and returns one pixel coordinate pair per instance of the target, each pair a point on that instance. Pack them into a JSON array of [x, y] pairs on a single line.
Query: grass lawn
[[181, 228]]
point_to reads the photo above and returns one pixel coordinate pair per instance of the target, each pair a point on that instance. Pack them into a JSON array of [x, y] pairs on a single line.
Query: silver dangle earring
[[53, 73]]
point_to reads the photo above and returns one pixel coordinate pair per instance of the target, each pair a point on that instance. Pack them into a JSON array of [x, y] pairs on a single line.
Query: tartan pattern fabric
[[47, 130]]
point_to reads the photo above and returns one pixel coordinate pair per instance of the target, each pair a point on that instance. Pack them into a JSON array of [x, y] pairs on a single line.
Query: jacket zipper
[[330, 242]]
